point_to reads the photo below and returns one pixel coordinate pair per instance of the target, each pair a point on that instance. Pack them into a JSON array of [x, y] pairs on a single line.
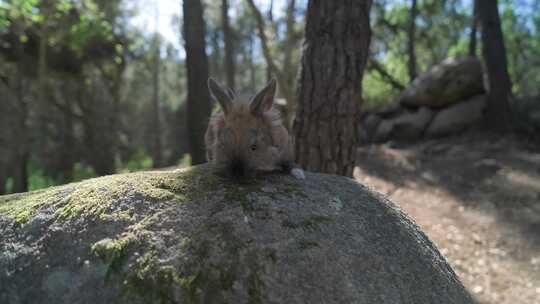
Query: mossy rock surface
[[191, 236]]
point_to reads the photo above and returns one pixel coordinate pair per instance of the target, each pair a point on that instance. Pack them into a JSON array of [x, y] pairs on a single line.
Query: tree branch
[[379, 68], [261, 26]]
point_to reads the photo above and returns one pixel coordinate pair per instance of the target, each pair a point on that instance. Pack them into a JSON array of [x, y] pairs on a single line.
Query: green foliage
[[37, 178], [82, 172], [185, 161], [9, 185], [139, 160], [375, 90]]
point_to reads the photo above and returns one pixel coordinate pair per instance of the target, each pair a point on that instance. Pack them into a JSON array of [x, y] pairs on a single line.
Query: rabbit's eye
[[253, 147]]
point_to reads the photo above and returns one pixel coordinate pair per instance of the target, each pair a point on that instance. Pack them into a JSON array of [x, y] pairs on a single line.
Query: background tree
[[284, 73], [157, 152], [474, 29], [494, 53], [198, 100], [411, 40], [330, 91], [228, 41]]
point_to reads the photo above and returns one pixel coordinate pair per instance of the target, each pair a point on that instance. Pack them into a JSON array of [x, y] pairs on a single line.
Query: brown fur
[[231, 137]]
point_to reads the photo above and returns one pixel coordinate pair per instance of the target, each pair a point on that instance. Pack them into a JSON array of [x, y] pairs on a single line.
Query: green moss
[[311, 224], [236, 193], [113, 253], [308, 244], [292, 188], [92, 198], [21, 207]]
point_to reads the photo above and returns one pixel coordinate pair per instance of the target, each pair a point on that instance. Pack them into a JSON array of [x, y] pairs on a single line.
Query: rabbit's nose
[[238, 168]]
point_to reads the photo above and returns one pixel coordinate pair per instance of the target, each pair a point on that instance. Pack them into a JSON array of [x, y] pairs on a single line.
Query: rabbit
[[246, 138]]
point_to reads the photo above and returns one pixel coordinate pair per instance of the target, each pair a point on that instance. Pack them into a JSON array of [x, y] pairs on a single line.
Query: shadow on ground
[[500, 175]]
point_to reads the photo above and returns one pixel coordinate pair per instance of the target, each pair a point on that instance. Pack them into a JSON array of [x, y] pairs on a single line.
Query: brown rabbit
[[248, 137]]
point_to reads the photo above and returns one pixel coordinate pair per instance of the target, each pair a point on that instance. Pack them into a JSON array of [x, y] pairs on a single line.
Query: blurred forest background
[[95, 87]]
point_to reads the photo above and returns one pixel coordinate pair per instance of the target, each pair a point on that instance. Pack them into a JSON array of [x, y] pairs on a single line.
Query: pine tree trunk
[[228, 41], [269, 74], [500, 87], [157, 153], [198, 100], [22, 155], [411, 41], [330, 93], [474, 30], [68, 143], [3, 179]]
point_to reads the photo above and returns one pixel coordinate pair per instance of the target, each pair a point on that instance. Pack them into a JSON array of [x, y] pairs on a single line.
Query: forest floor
[[477, 197]]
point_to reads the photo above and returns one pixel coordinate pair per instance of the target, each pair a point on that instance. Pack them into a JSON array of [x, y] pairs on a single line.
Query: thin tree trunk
[[198, 100], [68, 142], [474, 27], [229, 45], [42, 59], [157, 152], [20, 166], [271, 21], [336, 49], [379, 68], [289, 71], [252, 69], [286, 88], [411, 41], [3, 179], [498, 114]]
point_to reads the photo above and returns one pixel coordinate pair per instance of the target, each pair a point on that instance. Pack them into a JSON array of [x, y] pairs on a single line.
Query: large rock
[[527, 115], [409, 126], [192, 237], [458, 117], [449, 82]]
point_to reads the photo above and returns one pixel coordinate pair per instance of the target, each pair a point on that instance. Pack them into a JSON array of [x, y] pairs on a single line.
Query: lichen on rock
[[192, 236]]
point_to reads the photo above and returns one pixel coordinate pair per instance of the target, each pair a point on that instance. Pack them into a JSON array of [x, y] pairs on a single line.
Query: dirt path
[[478, 198]]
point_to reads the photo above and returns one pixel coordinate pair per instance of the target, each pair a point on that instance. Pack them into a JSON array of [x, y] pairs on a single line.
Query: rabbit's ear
[[222, 96], [264, 99]]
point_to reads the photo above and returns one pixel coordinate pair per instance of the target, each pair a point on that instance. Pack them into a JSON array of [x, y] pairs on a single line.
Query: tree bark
[[252, 68], [22, 156], [336, 49], [286, 88], [289, 70], [379, 68], [198, 100], [411, 41], [474, 29], [157, 153], [228, 41], [271, 21], [68, 142], [500, 87], [3, 179]]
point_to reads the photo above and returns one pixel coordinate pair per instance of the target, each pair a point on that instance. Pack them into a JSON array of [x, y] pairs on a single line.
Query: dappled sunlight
[[477, 200]]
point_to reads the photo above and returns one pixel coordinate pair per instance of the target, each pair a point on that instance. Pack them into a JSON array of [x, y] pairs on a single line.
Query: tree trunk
[[20, 174], [286, 88], [329, 96], [500, 87], [22, 156], [3, 179], [271, 21], [411, 41], [229, 45], [252, 68], [474, 27], [157, 152], [68, 142], [289, 70], [198, 100]]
